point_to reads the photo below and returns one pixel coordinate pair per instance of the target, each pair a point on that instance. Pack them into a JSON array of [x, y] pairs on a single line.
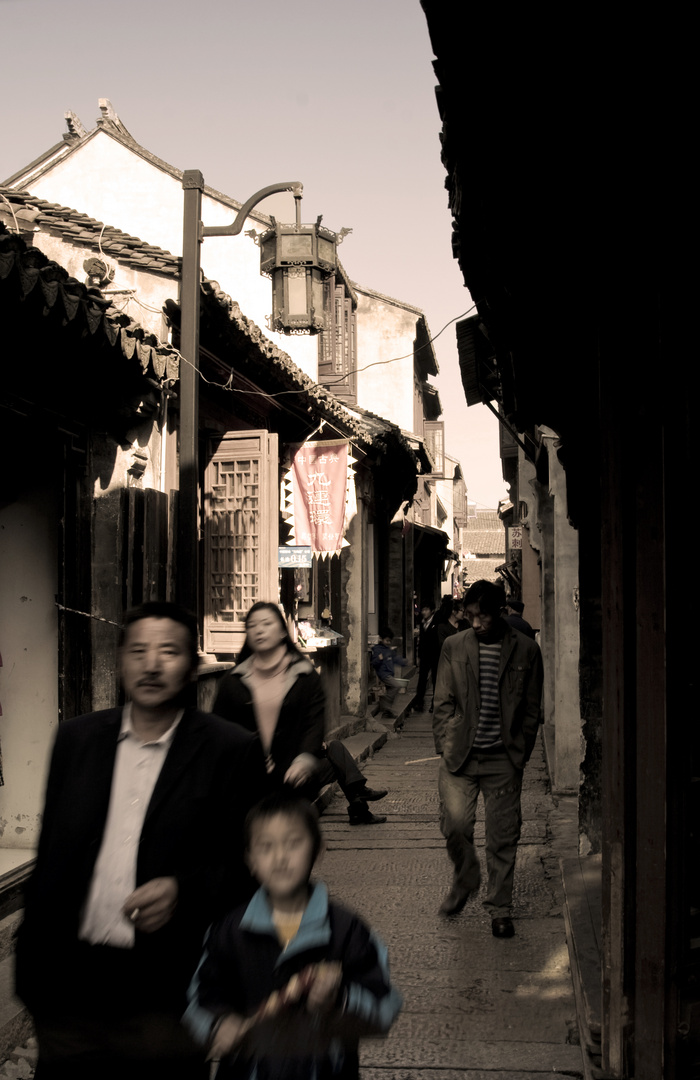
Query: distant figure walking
[[487, 713], [428, 650], [452, 625], [442, 616], [514, 616]]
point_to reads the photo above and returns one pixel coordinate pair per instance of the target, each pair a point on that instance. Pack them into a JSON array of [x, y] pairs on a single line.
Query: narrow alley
[[475, 1007]]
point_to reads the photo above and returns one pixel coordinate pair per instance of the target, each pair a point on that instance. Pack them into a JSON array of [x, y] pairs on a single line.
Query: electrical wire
[[146, 307], [321, 386], [375, 363]]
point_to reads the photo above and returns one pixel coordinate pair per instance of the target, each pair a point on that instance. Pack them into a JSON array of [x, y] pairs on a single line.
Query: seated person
[[383, 661]]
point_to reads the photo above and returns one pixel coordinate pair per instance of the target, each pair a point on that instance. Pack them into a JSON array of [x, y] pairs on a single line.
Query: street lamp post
[[299, 259], [187, 581]]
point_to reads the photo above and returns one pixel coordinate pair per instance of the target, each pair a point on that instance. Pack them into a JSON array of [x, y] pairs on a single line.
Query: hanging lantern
[[298, 258]]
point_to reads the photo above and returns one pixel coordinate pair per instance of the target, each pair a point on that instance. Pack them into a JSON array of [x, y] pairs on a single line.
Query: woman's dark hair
[[490, 597], [288, 804], [267, 605], [161, 609], [444, 611]]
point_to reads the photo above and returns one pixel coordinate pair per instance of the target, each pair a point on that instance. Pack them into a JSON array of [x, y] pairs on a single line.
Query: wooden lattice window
[[241, 534]]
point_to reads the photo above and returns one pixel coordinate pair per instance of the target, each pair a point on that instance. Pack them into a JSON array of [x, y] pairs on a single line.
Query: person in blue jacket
[[289, 983], [383, 660]]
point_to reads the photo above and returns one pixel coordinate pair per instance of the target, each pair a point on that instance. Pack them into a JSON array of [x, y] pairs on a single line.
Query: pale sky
[[251, 92]]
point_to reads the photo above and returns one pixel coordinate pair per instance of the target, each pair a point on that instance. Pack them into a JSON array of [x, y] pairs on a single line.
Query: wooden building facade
[[564, 150]]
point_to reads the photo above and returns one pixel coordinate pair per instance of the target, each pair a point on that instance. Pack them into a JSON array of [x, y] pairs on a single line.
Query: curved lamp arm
[[236, 226]]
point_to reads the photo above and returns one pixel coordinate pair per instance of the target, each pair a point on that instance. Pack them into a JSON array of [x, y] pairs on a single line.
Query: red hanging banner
[[319, 485]]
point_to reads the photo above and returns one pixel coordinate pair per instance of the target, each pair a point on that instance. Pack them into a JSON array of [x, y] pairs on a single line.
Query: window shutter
[[241, 528], [434, 435], [337, 350]]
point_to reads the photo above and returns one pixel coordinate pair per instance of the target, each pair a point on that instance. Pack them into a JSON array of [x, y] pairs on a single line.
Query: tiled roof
[[25, 270], [485, 534], [481, 569], [78, 228], [279, 372]]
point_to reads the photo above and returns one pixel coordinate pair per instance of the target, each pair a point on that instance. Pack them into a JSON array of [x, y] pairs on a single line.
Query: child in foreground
[[289, 983]]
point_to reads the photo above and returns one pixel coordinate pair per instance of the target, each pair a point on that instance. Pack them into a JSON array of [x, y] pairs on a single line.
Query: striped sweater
[[488, 732]]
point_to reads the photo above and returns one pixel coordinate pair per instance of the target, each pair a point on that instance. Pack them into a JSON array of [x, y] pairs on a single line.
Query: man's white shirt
[[137, 767]]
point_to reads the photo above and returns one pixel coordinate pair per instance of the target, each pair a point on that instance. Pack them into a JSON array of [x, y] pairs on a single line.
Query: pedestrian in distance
[[514, 616], [384, 660], [442, 616], [428, 648], [451, 625], [140, 849], [290, 982], [275, 692], [487, 714]]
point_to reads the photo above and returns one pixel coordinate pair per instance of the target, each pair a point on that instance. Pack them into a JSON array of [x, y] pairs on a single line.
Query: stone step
[[8, 926], [15, 1022]]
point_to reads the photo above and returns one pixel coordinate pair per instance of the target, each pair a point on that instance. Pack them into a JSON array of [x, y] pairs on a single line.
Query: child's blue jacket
[[243, 962], [383, 660]]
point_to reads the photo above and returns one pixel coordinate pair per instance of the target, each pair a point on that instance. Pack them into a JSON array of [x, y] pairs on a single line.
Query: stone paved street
[[476, 1007]]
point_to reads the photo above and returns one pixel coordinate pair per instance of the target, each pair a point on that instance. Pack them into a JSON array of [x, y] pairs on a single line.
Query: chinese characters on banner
[[515, 535], [319, 485]]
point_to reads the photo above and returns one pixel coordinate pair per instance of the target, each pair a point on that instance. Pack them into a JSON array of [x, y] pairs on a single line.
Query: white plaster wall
[[384, 331], [29, 675], [444, 489], [111, 183]]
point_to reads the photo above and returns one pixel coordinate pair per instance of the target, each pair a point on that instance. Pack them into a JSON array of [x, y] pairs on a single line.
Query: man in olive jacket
[[487, 712]]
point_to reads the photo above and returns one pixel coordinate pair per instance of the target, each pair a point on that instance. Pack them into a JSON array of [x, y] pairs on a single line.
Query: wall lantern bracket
[[236, 225]]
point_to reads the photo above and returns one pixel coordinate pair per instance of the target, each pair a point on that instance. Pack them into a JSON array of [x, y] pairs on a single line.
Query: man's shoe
[[360, 814], [502, 927], [370, 795], [454, 901]]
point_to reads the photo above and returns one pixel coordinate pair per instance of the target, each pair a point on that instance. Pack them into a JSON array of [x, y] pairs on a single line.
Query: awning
[[429, 533]]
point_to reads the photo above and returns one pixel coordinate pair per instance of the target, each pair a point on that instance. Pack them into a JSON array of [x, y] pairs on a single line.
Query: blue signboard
[[294, 556]]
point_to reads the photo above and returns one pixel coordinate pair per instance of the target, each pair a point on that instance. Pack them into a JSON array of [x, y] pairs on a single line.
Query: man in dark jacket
[[140, 848], [428, 651], [487, 714], [514, 616]]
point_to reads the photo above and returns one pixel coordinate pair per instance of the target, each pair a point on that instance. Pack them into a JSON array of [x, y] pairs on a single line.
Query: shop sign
[[515, 538], [295, 556]]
